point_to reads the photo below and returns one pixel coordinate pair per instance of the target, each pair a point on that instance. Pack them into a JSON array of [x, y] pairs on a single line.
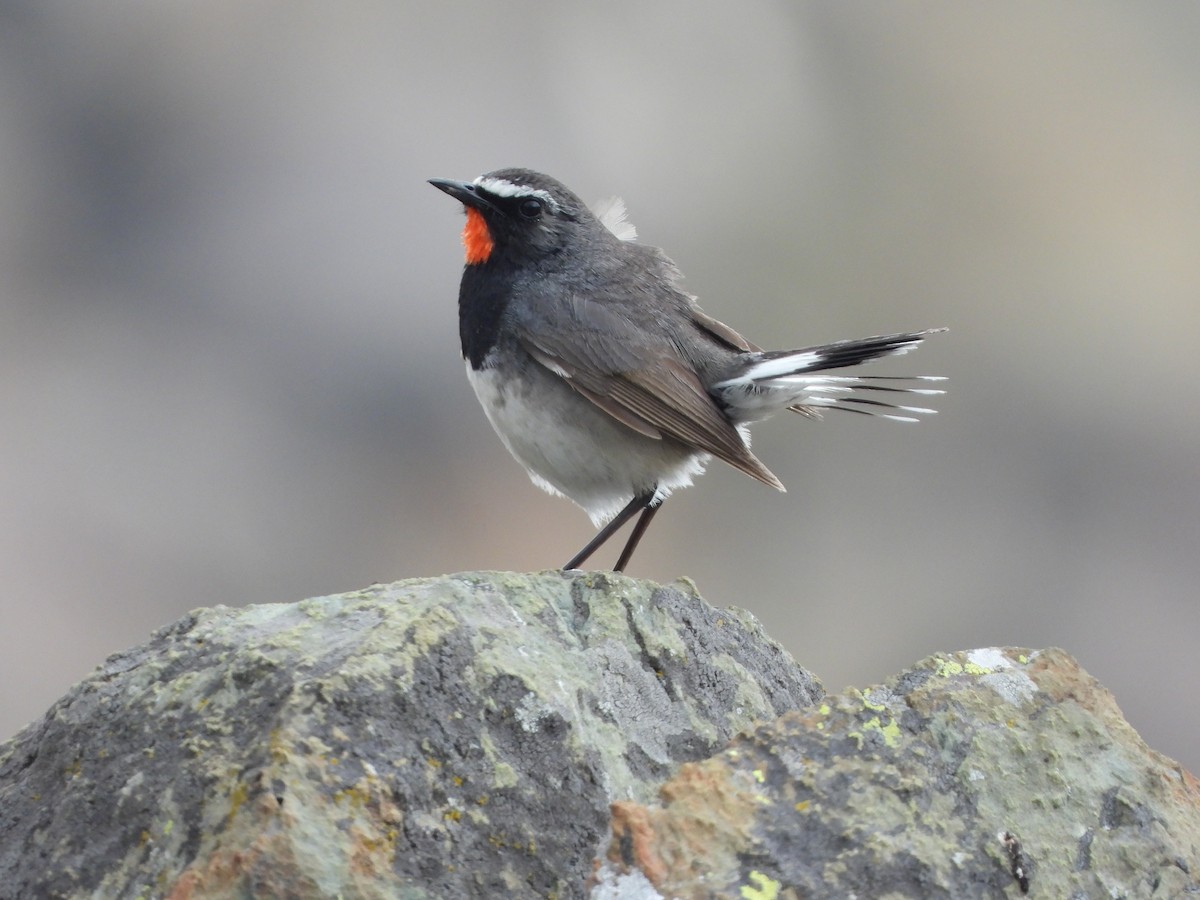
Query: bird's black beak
[[463, 191]]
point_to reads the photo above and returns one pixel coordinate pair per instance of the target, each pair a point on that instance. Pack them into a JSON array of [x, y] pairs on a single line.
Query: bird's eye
[[531, 208]]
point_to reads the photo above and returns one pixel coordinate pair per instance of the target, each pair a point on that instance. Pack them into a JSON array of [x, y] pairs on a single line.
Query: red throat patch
[[476, 238]]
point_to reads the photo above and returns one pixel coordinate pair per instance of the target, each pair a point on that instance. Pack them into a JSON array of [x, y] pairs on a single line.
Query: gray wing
[[604, 356]]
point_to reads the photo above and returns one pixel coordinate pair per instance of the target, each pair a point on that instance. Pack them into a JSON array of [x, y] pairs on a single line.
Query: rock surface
[[451, 737], [568, 735], [983, 774]]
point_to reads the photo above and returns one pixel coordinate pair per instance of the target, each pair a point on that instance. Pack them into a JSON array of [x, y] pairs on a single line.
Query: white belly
[[571, 447]]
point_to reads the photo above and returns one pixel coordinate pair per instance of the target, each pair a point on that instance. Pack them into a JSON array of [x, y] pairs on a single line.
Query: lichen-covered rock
[[986, 774], [451, 737]]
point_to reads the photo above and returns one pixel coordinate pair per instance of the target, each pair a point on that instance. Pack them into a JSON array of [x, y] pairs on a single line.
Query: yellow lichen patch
[[948, 667], [762, 887], [890, 731], [355, 796]]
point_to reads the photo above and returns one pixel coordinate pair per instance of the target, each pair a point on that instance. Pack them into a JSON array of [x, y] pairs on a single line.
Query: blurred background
[[229, 362]]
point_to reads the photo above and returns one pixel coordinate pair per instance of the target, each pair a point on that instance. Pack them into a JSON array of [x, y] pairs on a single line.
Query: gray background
[[228, 333]]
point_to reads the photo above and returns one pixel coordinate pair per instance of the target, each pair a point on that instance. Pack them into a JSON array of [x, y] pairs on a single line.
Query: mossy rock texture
[[986, 774], [461, 736], [571, 735]]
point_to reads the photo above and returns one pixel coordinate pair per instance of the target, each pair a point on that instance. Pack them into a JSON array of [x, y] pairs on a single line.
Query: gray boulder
[[575, 735], [988, 774], [461, 736]]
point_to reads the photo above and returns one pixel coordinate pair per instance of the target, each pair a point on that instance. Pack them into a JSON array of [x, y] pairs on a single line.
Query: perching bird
[[604, 378]]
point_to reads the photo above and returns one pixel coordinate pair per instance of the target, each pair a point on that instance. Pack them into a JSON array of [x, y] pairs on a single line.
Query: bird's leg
[[640, 502], [636, 535]]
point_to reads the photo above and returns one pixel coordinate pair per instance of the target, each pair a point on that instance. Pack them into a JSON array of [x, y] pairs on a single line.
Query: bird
[[602, 375]]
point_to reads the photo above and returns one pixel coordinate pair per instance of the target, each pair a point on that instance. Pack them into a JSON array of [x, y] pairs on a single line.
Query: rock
[[500, 735], [460, 736], [993, 773]]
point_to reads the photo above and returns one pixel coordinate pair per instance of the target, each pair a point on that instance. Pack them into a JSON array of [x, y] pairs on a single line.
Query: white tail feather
[[800, 380]]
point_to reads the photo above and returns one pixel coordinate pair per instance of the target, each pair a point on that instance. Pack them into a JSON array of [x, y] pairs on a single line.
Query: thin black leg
[[642, 501], [636, 535]]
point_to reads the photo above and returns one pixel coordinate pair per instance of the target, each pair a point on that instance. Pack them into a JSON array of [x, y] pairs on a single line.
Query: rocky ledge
[[570, 735]]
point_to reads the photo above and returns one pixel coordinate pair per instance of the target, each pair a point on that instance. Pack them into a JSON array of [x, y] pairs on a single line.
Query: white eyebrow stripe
[[502, 187]]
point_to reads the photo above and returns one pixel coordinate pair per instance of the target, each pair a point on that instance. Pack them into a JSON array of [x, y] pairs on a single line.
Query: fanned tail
[[797, 380], [834, 392]]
